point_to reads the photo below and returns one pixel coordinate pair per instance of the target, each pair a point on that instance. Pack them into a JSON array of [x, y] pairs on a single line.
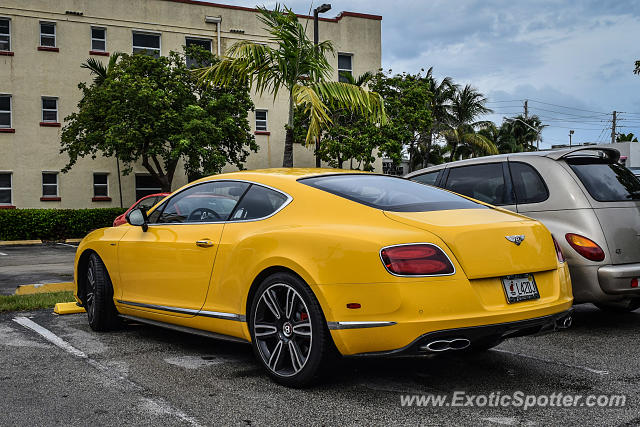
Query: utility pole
[[526, 109], [316, 38], [613, 127]]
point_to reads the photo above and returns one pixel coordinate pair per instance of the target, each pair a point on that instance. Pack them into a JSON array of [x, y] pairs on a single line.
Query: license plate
[[520, 287]]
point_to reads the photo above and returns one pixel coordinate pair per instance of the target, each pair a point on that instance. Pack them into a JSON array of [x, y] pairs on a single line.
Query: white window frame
[[7, 34], [10, 188], [149, 33], [100, 185], [340, 70], [49, 109], [50, 185], [10, 110], [266, 120], [54, 35], [95, 27]]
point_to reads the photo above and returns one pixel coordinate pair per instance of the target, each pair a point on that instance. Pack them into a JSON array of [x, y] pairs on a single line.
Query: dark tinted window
[[527, 183], [389, 193], [482, 182], [207, 202], [426, 178], [149, 202], [146, 185], [202, 43], [605, 181], [259, 202]]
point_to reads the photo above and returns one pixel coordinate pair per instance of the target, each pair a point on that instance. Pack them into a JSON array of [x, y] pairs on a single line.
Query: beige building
[[43, 43]]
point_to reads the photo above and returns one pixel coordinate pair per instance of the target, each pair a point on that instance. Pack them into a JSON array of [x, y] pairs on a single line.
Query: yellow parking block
[[68, 308], [43, 288]]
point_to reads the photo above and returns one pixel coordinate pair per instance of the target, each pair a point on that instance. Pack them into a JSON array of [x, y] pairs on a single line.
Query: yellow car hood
[[478, 239]]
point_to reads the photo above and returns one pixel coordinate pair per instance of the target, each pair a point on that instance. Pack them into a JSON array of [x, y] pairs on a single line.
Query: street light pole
[[316, 36], [570, 135], [537, 131]]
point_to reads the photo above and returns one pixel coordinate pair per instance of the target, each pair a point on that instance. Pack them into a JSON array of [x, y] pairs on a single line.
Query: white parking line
[[584, 368], [160, 404], [66, 244], [3, 254]]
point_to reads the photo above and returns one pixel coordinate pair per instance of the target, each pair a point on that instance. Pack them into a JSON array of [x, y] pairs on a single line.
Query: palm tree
[[520, 133], [629, 137], [99, 70], [298, 67], [467, 104]]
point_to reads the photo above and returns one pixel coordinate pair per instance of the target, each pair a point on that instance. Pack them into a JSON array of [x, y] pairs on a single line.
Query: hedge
[[53, 224]]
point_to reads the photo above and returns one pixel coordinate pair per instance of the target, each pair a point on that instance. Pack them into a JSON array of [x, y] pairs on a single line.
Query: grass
[[33, 301]]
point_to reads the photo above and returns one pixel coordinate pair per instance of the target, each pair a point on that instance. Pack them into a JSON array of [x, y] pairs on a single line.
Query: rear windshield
[[390, 193], [606, 181]]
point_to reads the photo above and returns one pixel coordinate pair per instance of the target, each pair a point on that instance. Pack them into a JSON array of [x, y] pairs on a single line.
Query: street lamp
[[570, 135], [537, 131], [318, 10]]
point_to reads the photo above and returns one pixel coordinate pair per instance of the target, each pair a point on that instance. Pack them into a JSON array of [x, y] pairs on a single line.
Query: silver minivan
[[589, 202]]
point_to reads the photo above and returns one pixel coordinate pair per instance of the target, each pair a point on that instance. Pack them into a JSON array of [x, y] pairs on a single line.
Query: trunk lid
[[621, 227], [478, 239]]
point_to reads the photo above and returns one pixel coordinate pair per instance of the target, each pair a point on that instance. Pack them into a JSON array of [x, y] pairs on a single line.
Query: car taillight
[[559, 253], [416, 260], [585, 247]]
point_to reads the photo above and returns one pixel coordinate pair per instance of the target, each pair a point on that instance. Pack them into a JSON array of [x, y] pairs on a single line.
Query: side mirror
[[138, 218]]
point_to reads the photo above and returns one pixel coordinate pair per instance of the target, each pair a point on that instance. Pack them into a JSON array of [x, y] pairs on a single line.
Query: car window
[[258, 202], [148, 203], [527, 183], [429, 178], [606, 181], [207, 202], [390, 193], [482, 182]]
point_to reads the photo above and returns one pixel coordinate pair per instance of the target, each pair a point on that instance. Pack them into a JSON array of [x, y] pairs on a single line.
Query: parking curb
[[68, 308], [43, 288], [33, 242]]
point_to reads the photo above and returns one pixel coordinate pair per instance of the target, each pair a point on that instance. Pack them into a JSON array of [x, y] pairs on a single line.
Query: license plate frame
[[513, 288]]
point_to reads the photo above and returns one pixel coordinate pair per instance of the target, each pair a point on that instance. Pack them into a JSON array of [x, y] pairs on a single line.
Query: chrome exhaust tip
[[439, 346], [567, 322]]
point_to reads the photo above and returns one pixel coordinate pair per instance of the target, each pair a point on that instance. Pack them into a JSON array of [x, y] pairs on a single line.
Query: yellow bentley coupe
[[302, 263]]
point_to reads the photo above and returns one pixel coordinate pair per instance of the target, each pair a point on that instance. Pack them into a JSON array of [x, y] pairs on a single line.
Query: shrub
[[53, 224]]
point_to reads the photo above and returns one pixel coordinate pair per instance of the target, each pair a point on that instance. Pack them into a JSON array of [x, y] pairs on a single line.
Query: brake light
[[416, 260], [585, 247], [559, 253]]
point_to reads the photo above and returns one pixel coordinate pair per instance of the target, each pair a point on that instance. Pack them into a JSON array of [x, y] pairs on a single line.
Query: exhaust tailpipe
[[439, 346]]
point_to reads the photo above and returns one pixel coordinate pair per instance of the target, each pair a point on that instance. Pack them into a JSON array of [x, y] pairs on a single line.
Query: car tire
[[101, 311], [289, 333], [626, 306]]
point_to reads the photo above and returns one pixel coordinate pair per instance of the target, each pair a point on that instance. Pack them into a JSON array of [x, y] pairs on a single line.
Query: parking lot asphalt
[[25, 265], [145, 375]]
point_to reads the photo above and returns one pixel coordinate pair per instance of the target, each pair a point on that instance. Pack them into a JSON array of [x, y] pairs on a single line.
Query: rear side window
[[259, 202], [527, 183], [606, 181], [483, 182], [390, 193], [429, 178]]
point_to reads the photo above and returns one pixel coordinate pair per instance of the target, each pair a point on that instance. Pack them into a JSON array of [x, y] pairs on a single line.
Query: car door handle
[[204, 243]]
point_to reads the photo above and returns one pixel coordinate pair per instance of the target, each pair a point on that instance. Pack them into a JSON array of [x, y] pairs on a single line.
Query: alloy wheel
[[91, 286]]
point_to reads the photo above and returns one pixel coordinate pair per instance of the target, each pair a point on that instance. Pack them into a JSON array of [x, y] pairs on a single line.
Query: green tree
[[298, 67], [636, 70], [519, 134], [153, 110], [629, 137]]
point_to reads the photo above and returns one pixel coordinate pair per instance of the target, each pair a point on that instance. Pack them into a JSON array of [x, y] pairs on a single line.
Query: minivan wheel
[[101, 311], [619, 307], [288, 331]]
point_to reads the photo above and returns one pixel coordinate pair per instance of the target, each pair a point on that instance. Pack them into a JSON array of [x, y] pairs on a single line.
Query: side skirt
[[185, 329]]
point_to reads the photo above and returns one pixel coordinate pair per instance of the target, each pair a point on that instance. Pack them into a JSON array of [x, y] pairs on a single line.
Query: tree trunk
[[287, 160]]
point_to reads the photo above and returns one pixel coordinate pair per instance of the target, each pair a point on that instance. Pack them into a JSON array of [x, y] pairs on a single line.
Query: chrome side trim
[[417, 275], [214, 314], [358, 325], [185, 329]]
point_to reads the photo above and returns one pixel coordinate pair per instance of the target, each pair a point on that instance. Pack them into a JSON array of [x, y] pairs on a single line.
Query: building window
[[261, 120], [49, 184], [5, 34], [48, 34], [146, 43], [204, 44], [100, 185], [345, 66], [5, 188], [98, 39], [146, 185], [49, 109], [5, 111]]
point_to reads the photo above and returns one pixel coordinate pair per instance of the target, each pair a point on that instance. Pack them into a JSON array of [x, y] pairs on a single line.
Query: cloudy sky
[[573, 60]]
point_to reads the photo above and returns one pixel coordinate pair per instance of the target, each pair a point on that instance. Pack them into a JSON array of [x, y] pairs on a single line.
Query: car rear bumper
[[616, 279], [478, 336]]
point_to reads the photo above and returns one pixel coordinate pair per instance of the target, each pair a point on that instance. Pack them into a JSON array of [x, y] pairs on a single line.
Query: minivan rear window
[[390, 193], [606, 181]]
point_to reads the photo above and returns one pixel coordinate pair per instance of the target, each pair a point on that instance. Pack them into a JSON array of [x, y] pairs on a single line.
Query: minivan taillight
[[420, 259], [559, 253], [585, 247]]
